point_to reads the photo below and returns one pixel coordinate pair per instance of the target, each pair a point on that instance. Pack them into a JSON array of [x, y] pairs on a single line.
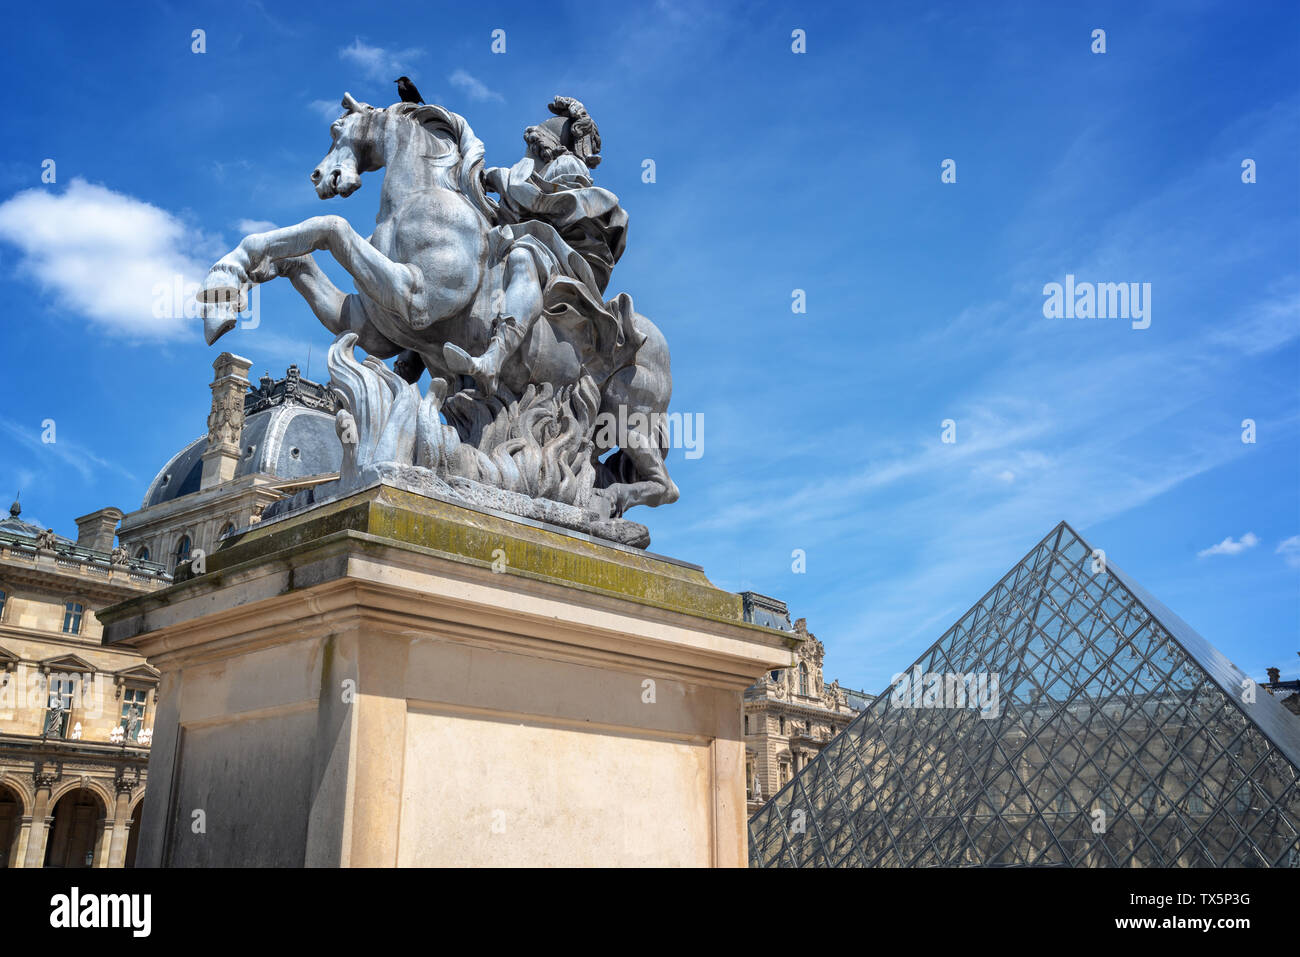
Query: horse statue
[[501, 302]]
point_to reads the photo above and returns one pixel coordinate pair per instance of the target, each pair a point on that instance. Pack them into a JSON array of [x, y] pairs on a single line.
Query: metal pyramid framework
[[1098, 730]]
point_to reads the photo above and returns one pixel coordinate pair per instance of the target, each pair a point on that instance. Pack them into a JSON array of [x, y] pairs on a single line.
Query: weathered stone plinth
[[393, 680]]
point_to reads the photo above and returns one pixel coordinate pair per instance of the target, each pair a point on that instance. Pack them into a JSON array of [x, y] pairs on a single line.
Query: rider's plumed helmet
[[571, 130]]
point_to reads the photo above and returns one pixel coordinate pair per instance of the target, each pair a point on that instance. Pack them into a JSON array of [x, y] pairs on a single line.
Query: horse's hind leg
[[641, 392], [651, 484]]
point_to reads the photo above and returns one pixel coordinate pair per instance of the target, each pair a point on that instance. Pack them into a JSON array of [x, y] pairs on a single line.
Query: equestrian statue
[[544, 398]]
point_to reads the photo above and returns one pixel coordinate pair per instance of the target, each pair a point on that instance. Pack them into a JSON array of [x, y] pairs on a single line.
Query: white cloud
[[1290, 551], [1007, 475], [378, 64], [247, 226], [1230, 547], [474, 88], [327, 110], [108, 256]]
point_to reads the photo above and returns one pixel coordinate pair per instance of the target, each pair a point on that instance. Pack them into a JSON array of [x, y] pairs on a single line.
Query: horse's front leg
[[393, 286], [338, 311], [327, 301]]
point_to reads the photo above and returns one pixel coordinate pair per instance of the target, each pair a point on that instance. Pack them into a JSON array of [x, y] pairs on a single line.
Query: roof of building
[[15, 525], [21, 538], [288, 432], [857, 700]]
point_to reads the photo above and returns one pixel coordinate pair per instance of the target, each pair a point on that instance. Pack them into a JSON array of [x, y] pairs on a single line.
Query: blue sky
[[775, 171]]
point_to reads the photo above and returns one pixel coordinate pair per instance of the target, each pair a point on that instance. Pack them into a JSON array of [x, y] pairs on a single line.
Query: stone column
[[104, 846], [40, 823], [17, 858], [226, 420], [121, 824]]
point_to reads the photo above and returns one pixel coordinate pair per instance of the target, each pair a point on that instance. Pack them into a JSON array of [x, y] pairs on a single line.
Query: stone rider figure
[[559, 237]]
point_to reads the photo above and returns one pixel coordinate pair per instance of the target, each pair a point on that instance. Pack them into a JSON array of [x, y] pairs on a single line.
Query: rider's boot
[[507, 336]]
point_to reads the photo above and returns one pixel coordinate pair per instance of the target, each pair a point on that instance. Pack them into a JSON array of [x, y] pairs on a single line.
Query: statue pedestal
[[393, 680]]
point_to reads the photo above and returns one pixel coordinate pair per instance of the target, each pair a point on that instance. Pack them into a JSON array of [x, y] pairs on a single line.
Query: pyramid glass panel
[[1067, 720]]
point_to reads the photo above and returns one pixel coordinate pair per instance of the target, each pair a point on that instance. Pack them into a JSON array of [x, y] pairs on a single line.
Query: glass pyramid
[[1098, 730]]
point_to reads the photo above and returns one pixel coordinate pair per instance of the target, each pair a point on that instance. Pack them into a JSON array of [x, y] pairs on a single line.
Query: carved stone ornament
[[226, 419]]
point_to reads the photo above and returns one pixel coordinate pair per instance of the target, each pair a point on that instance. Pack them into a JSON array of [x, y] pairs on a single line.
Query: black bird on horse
[[407, 91]]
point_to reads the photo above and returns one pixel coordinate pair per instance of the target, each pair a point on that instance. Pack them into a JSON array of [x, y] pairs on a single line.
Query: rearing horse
[[434, 275]]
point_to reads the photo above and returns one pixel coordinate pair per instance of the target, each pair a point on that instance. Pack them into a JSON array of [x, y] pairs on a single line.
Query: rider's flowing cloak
[[575, 233], [588, 218]]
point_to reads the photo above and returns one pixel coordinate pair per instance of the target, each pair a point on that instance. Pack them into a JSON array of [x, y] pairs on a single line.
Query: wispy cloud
[[1289, 549], [327, 110], [274, 22], [247, 226], [63, 452], [475, 89], [379, 64], [276, 352], [107, 256], [222, 168], [1270, 322], [1084, 423], [1229, 546]]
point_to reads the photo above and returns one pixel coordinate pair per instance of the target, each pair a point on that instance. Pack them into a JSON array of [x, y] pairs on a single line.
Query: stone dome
[[288, 432]]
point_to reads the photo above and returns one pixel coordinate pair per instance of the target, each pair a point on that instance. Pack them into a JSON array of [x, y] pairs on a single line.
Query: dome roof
[[288, 432], [14, 525]]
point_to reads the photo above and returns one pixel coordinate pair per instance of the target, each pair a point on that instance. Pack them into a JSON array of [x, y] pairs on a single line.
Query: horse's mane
[[468, 169]]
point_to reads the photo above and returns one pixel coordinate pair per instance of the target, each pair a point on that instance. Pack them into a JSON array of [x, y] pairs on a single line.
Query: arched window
[[803, 678], [782, 725], [72, 612], [76, 836], [230, 527], [142, 553], [183, 549]]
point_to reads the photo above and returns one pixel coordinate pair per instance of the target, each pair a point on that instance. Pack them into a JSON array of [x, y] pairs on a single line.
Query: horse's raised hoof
[[226, 284], [218, 319]]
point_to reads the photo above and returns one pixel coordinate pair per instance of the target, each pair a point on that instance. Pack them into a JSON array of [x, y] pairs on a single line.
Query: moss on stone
[[387, 517]]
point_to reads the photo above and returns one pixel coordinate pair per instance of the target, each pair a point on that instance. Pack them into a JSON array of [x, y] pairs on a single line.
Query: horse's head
[[357, 149], [438, 147]]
